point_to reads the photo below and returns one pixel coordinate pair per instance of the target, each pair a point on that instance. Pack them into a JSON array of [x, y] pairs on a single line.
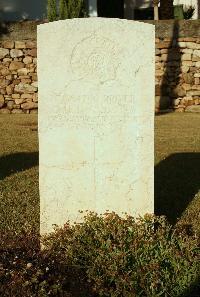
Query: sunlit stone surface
[[96, 118]]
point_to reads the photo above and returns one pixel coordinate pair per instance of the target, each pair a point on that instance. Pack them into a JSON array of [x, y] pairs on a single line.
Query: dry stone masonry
[[18, 76], [178, 74]]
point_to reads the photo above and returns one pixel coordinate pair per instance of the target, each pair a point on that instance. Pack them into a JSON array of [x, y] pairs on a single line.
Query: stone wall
[[178, 73], [18, 76], [177, 66]]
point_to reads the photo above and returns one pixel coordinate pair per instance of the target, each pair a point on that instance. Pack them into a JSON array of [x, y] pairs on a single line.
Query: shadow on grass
[[14, 211], [193, 290], [17, 162], [177, 180]]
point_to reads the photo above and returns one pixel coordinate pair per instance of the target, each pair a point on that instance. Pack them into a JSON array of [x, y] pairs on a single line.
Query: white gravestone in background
[[96, 118]]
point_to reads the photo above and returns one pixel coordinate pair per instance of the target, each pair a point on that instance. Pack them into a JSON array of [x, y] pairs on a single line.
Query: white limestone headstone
[[96, 118]]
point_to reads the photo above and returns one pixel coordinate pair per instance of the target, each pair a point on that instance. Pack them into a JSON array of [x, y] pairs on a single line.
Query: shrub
[[128, 257], [51, 10], [69, 9], [105, 256]]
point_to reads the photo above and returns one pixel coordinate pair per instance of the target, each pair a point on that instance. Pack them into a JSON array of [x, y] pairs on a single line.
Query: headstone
[[96, 118]]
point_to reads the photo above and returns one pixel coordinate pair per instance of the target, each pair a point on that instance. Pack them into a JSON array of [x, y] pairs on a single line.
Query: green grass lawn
[[177, 171]]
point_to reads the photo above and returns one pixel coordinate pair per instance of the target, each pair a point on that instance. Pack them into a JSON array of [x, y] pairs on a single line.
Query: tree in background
[[68, 9], [63, 11], [155, 6], [51, 10], [75, 8], [166, 9]]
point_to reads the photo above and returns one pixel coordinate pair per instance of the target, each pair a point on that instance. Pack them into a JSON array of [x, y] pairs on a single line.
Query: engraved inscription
[[99, 112], [95, 58], [96, 114]]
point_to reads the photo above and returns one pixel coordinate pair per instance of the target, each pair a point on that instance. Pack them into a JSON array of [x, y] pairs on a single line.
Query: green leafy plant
[[69, 9], [106, 255], [128, 257], [52, 10], [63, 10]]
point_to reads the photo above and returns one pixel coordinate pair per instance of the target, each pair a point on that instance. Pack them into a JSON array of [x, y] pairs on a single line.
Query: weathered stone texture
[[95, 107]]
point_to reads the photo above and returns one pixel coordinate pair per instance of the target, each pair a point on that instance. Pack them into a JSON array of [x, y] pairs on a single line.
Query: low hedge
[[107, 255]]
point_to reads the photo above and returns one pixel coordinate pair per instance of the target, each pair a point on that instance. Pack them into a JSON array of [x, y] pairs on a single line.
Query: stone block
[[195, 58], [19, 101], [164, 57], [4, 71], [193, 45], [6, 61], [190, 39], [176, 102], [31, 44], [2, 91], [4, 83], [9, 77], [157, 52], [16, 106], [29, 105], [197, 64], [32, 52], [196, 87], [96, 118], [188, 78], [25, 88], [9, 89], [27, 96], [178, 91], [15, 96], [33, 111], [15, 53], [20, 44], [187, 63], [181, 44], [16, 65], [197, 53], [166, 44], [35, 84], [3, 52], [27, 60], [185, 69], [186, 57], [193, 108], [22, 71], [9, 44], [194, 93], [10, 105], [4, 110], [186, 51], [179, 109], [2, 101], [186, 87], [26, 80], [35, 97], [17, 111]]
